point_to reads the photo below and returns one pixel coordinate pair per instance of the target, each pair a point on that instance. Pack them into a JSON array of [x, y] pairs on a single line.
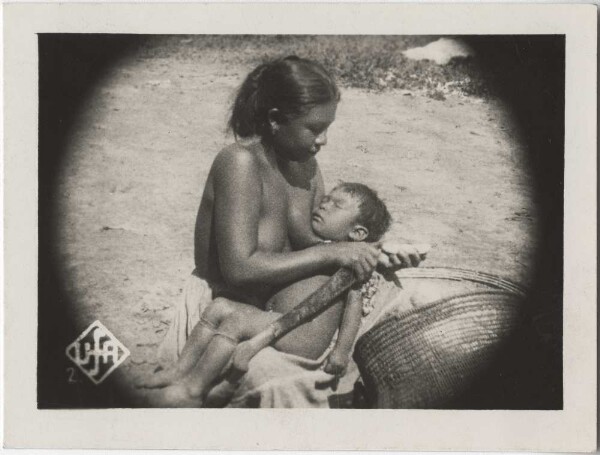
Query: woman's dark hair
[[292, 85], [373, 214]]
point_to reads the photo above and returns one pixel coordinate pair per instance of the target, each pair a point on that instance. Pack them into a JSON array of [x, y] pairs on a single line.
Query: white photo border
[[571, 429]]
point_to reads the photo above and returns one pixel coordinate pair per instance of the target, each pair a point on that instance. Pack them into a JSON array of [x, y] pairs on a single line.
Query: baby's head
[[351, 212]]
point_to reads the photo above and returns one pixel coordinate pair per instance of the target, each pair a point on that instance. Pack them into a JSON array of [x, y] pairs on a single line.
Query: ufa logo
[[97, 352]]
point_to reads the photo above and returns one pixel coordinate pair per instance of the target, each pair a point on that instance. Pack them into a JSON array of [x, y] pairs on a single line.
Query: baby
[[350, 212]]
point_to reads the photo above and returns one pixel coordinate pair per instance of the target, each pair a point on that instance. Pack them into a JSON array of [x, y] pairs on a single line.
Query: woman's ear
[[358, 233], [274, 118]]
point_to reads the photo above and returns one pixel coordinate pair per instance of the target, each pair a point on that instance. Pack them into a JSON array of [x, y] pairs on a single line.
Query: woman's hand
[[401, 255], [361, 257]]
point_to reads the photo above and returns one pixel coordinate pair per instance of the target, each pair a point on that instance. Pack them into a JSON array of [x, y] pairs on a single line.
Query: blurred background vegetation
[[369, 62]]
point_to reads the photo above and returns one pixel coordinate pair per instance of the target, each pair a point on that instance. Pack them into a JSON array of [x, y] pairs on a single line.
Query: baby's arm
[[338, 359]]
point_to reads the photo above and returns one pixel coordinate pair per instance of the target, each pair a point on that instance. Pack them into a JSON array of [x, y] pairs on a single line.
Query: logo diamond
[[97, 352]]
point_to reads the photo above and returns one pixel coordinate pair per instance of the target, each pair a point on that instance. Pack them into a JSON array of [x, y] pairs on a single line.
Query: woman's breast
[[272, 234], [273, 217]]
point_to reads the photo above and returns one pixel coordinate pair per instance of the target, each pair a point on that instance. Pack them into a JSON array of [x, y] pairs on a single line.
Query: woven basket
[[429, 356]]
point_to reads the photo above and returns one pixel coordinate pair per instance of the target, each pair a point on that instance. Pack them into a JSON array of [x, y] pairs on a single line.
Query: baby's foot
[[175, 396], [159, 379]]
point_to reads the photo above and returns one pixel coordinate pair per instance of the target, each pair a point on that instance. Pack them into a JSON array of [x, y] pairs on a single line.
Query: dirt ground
[[450, 170]]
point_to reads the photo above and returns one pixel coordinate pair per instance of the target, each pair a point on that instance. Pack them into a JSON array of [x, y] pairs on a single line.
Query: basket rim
[[443, 301], [462, 274]]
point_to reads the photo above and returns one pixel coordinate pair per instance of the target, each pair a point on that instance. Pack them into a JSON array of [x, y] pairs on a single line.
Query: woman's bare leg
[[239, 326], [210, 366], [199, 339]]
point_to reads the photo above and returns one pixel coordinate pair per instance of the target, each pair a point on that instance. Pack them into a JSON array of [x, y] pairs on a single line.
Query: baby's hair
[[292, 85], [373, 214]]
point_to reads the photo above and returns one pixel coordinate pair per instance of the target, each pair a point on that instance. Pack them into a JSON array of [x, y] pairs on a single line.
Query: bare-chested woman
[[253, 230]]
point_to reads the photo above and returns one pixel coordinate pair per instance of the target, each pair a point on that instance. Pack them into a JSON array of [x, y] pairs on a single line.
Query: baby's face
[[336, 216]]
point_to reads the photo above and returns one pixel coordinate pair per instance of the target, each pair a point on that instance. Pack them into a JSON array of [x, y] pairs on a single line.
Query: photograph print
[[300, 221]]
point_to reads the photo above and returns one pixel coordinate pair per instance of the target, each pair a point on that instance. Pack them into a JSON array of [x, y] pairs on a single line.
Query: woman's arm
[[237, 207]]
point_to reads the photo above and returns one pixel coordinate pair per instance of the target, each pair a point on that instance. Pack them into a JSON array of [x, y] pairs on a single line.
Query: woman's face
[[301, 138]]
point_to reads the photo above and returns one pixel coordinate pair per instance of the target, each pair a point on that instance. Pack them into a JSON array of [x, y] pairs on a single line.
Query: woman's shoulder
[[236, 155], [237, 150]]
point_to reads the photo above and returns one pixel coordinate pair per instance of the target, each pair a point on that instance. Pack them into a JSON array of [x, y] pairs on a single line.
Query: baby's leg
[[215, 314]]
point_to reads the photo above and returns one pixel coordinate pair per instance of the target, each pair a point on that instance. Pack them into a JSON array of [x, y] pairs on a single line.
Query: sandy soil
[[451, 172]]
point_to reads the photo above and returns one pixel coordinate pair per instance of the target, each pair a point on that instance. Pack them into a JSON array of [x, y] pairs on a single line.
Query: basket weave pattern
[[425, 357]]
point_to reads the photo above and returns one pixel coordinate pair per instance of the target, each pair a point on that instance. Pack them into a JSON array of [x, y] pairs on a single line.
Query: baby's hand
[[336, 363]]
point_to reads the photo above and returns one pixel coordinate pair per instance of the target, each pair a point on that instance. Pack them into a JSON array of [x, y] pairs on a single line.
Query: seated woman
[[351, 212], [253, 230]]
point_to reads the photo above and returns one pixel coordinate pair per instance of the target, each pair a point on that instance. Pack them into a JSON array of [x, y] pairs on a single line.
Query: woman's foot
[[162, 378], [177, 395]]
